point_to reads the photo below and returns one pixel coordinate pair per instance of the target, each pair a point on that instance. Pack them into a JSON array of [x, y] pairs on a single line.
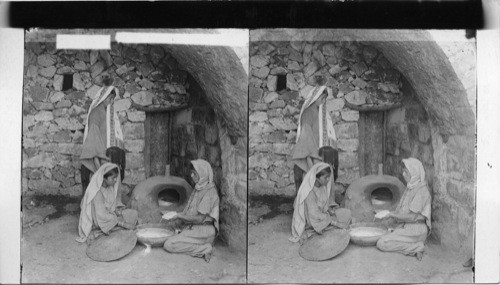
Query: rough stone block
[[350, 115], [46, 60], [259, 160], [347, 176], [348, 159], [329, 49], [258, 106], [335, 104], [134, 177], [133, 131], [356, 97], [44, 187], [348, 145], [70, 148], [69, 123], [294, 66], [283, 124], [134, 146], [272, 82], [262, 187], [143, 98], [38, 93], [41, 160], [72, 191], [259, 61], [396, 116], [136, 116], [47, 72], [346, 130], [63, 104], [359, 68], [134, 160], [258, 117], [278, 70], [320, 58], [255, 94], [282, 148], [78, 83], [360, 83], [146, 69], [42, 106], [148, 85], [62, 136], [261, 72], [44, 116], [277, 104], [310, 69]]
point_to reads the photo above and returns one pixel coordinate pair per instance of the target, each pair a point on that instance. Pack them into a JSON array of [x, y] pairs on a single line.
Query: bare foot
[[207, 257], [419, 255]]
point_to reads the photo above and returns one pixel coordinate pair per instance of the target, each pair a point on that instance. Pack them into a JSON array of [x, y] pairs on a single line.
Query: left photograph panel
[[134, 156]]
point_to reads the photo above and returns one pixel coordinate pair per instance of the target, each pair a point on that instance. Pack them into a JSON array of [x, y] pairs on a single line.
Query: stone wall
[[358, 74], [409, 135], [195, 136], [454, 188], [233, 206], [53, 119]]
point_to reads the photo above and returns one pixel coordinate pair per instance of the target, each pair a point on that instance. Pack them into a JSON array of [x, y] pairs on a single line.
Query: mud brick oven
[[396, 94], [177, 103]]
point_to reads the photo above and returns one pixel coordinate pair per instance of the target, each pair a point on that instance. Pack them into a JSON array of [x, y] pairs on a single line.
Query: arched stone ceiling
[[418, 57], [220, 73]]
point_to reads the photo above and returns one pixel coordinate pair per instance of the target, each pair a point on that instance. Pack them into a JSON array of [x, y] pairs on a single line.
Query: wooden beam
[[158, 109], [373, 107]]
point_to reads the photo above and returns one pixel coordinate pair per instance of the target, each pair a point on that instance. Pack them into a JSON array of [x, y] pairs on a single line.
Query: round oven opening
[[382, 198], [170, 198]]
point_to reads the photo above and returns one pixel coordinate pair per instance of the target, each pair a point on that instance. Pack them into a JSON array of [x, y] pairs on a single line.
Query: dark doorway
[[371, 141], [157, 142]]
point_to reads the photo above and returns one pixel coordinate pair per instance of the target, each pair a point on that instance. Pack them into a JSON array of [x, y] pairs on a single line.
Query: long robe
[[197, 240], [409, 238]]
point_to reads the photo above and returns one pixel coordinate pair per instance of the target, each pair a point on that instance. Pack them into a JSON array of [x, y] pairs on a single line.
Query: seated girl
[[413, 214], [200, 217], [314, 211], [101, 209]]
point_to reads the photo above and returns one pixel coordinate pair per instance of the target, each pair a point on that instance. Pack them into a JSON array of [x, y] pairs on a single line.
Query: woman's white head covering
[[100, 96], [205, 173], [311, 97], [417, 172], [299, 219], [85, 222]]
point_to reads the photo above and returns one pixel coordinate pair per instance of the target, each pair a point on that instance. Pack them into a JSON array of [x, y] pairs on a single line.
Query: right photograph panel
[[361, 156]]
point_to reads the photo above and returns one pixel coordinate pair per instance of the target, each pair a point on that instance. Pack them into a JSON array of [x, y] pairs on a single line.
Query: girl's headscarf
[[311, 97], [112, 121], [417, 172], [299, 219], [205, 173], [85, 222]]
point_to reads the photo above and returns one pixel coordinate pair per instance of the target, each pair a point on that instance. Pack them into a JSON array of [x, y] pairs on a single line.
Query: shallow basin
[[154, 235], [366, 234]]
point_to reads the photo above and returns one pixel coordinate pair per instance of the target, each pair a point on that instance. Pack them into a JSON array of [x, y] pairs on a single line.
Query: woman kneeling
[[314, 211], [101, 209]]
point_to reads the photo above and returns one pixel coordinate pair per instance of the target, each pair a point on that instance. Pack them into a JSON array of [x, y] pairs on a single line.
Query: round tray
[[324, 246], [154, 241], [113, 246], [367, 241]]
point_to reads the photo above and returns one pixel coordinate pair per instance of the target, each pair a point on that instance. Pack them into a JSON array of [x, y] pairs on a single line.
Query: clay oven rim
[[371, 182], [154, 185]]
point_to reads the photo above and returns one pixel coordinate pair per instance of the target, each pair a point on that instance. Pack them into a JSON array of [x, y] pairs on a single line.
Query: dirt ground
[[50, 254], [273, 259]]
